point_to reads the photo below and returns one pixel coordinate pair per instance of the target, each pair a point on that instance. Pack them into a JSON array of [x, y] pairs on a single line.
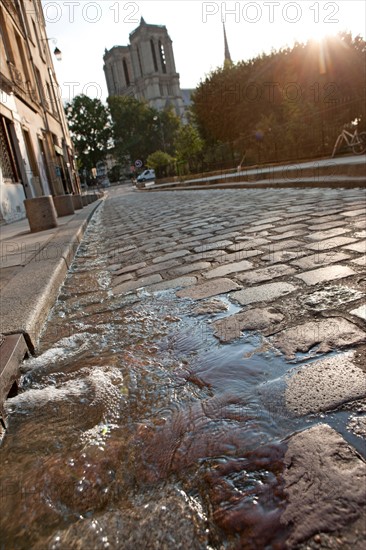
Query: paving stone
[[360, 312], [322, 235], [329, 273], [283, 245], [330, 243], [359, 261], [213, 246], [322, 258], [213, 255], [353, 213], [258, 228], [325, 483], [241, 255], [330, 297], [223, 236], [129, 268], [266, 273], [268, 220], [289, 235], [226, 268], [206, 290], [327, 334], [209, 307], [282, 256], [133, 285], [360, 224], [180, 282], [191, 268], [324, 385], [326, 225], [263, 293], [194, 239], [170, 256], [247, 244], [332, 213], [321, 219], [230, 328], [163, 266], [291, 227], [357, 247], [122, 279]]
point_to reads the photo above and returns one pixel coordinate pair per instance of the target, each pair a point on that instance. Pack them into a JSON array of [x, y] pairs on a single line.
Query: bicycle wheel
[[360, 147]]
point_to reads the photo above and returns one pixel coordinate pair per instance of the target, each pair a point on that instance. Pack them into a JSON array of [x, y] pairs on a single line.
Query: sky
[[83, 29]]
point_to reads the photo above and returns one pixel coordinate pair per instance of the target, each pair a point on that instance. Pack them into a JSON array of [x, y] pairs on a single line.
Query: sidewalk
[[349, 171], [32, 269]]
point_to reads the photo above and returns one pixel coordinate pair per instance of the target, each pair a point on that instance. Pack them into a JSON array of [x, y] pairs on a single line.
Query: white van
[[147, 175]]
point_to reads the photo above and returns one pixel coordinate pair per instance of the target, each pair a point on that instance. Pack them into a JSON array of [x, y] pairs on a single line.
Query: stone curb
[[28, 298], [345, 182]]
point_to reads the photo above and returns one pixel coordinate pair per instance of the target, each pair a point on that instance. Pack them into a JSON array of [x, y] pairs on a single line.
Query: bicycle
[[355, 141]]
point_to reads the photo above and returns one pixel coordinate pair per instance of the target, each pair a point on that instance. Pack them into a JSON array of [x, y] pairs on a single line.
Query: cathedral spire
[[227, 60]]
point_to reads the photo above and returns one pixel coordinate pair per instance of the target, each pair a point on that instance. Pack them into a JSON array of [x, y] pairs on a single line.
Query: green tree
[[296, 99], [161, 162], [90, 130], [139, 130], [189, 146]]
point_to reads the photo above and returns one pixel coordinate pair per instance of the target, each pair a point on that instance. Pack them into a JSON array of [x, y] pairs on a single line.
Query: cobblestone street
[[201, 381]]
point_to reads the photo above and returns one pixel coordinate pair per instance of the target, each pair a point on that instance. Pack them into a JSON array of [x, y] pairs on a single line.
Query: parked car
[[147, 175]]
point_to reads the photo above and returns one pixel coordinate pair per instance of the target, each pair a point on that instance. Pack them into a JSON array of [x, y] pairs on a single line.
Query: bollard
[[41, 213], [64, 205], [77, 201]]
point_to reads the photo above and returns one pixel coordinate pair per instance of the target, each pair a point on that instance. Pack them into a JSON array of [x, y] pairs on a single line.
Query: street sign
[[138, 163]]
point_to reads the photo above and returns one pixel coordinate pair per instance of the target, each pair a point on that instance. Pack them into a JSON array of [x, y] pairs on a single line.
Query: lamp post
[[57, 52], [157, 118]]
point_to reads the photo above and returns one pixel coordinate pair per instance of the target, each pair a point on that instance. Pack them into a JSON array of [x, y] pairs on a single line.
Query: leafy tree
[[139, 130], [295, 99], [161, 162], [90, 130], [189, 146]]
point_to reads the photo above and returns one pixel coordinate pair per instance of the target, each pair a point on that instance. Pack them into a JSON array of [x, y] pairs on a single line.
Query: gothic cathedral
[[145, 69]]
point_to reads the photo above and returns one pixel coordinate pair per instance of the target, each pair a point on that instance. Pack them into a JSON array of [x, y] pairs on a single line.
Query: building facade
[[145, 69], [36, 151]]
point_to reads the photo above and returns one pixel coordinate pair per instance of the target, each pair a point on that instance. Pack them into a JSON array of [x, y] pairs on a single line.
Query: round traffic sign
[[138, 163]]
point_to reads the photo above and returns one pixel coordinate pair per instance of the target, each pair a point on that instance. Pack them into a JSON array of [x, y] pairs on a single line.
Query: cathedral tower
[[145, 69]]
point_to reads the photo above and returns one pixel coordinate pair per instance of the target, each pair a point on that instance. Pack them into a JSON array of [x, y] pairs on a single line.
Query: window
[[5, 37], [51, 99], [162, 57], [23, 58], [41, 51], [139, 59], [125, 70], [30, 153], [40, 87], [23, 10], [114, 79], [154, 55], [9, 161]]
